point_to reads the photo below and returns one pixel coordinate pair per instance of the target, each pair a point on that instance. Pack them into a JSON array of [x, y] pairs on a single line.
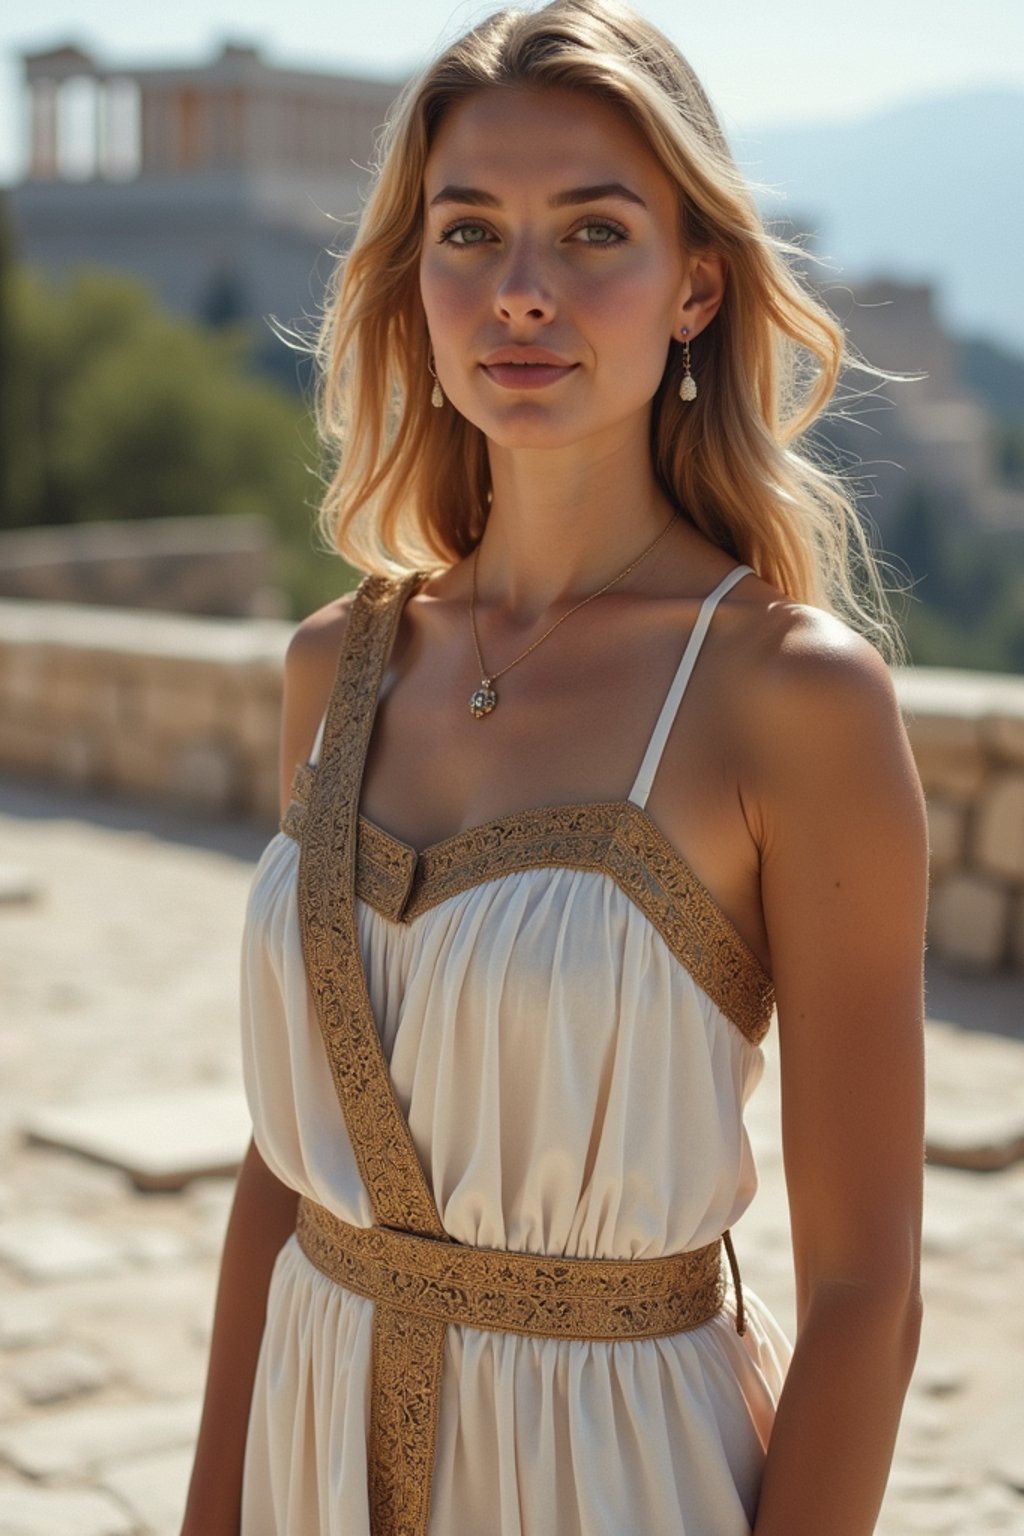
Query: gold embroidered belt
[[421, 1284]]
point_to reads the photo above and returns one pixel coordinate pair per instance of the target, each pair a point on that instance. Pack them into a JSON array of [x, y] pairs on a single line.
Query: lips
[[526, 367], [527, 357]]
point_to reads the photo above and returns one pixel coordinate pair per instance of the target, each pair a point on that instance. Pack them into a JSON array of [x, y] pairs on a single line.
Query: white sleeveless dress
[[573, 1062]]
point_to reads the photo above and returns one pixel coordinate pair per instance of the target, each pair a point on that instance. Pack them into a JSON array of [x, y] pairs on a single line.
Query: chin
[[529, 425], [531, 435]]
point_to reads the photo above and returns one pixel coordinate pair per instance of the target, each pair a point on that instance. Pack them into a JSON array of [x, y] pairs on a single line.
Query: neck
[[563, 522]]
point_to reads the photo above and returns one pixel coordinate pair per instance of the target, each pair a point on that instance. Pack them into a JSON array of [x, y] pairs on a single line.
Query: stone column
[[42, 97], [121, 137]]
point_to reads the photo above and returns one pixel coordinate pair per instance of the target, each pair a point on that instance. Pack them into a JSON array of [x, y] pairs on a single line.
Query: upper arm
[[310, 666], [843, 840]]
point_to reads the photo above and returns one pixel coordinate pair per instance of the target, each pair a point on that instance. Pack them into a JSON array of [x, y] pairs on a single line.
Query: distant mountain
[[929, 191]]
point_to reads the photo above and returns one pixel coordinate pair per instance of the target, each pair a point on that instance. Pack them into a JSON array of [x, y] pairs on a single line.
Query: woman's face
[[552, 273]]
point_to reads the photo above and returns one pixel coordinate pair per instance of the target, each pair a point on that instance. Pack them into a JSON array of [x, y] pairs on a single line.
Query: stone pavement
[[119, 941]]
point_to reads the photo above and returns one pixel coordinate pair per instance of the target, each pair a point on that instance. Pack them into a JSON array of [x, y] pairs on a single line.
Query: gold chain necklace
[[483, 699]]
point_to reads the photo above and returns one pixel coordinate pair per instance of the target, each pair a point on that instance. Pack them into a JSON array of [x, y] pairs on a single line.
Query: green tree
[[1008, 440], [125, 411], [966, 604]]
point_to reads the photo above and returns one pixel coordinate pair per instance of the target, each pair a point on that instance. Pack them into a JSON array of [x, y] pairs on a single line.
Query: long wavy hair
[[409, 487]]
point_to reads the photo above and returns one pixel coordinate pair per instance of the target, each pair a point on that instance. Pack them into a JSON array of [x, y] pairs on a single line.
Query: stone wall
[[182, 709], [967, 732], [216, 565], [187, 710]]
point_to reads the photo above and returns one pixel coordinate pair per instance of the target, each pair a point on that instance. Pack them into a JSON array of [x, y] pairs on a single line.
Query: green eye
[[601, 233], [469, 234]]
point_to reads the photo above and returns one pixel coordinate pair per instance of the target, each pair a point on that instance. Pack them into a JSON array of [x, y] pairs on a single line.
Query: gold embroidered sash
[[419, 1285], [419, 1278]]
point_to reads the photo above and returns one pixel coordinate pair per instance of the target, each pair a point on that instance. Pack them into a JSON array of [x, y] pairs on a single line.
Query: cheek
[[449, 297], [623, 310]]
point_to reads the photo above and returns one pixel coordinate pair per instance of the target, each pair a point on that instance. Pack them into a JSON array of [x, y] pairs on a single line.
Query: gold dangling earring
[[437, 393], [688, 384]]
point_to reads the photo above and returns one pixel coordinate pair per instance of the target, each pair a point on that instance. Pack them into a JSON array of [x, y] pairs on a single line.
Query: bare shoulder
[[311, 659], [310, 666], [819, 718], [800, 670], [320, 633]]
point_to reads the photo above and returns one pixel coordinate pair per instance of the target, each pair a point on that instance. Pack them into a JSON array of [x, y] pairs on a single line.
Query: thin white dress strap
[[659, 736], [314, 756]]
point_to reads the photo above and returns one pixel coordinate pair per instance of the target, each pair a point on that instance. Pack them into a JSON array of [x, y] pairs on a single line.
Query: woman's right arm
[[263, 1212]]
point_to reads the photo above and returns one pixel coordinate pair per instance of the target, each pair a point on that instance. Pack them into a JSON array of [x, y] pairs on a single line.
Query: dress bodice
[[552, 990]]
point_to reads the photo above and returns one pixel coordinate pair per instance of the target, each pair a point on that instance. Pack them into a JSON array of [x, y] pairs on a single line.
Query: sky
[[784, 62]]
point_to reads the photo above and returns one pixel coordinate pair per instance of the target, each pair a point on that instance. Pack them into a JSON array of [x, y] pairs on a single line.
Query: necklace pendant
[[483, 700]]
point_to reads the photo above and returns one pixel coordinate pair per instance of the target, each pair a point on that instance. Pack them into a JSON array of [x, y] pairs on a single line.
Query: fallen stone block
[[161, 1141], [17, 885], [981, 1143], [975, 1104]]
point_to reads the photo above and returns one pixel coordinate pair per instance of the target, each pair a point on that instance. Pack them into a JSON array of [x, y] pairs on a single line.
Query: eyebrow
[[478, 199]]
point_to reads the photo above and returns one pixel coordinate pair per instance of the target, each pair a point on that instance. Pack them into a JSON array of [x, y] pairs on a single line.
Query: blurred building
[[226, 185], [223, 185], [930, 432]]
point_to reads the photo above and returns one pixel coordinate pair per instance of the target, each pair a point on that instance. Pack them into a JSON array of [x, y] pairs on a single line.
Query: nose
[[524, 292]]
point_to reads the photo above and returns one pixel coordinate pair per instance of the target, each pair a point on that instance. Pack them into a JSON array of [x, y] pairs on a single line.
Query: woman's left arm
[[840, 821]]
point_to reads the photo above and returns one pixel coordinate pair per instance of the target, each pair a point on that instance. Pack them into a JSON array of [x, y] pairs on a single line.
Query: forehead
[[550, 138]]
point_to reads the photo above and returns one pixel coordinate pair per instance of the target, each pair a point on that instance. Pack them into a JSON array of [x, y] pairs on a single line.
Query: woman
[[500, 1010]]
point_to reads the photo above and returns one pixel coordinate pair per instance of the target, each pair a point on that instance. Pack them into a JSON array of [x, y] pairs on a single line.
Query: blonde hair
[[410, 485]]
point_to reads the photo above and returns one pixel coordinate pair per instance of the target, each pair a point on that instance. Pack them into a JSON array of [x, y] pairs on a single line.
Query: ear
[[702, 292]]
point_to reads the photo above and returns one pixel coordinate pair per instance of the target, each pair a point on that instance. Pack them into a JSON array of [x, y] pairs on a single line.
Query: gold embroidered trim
[[379, 1132], [291, 821], [302, 784], [619, 839], [385, 870], [405, 1404], [616, 838], [419, 1286], [647, 868], [554, 1296]]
